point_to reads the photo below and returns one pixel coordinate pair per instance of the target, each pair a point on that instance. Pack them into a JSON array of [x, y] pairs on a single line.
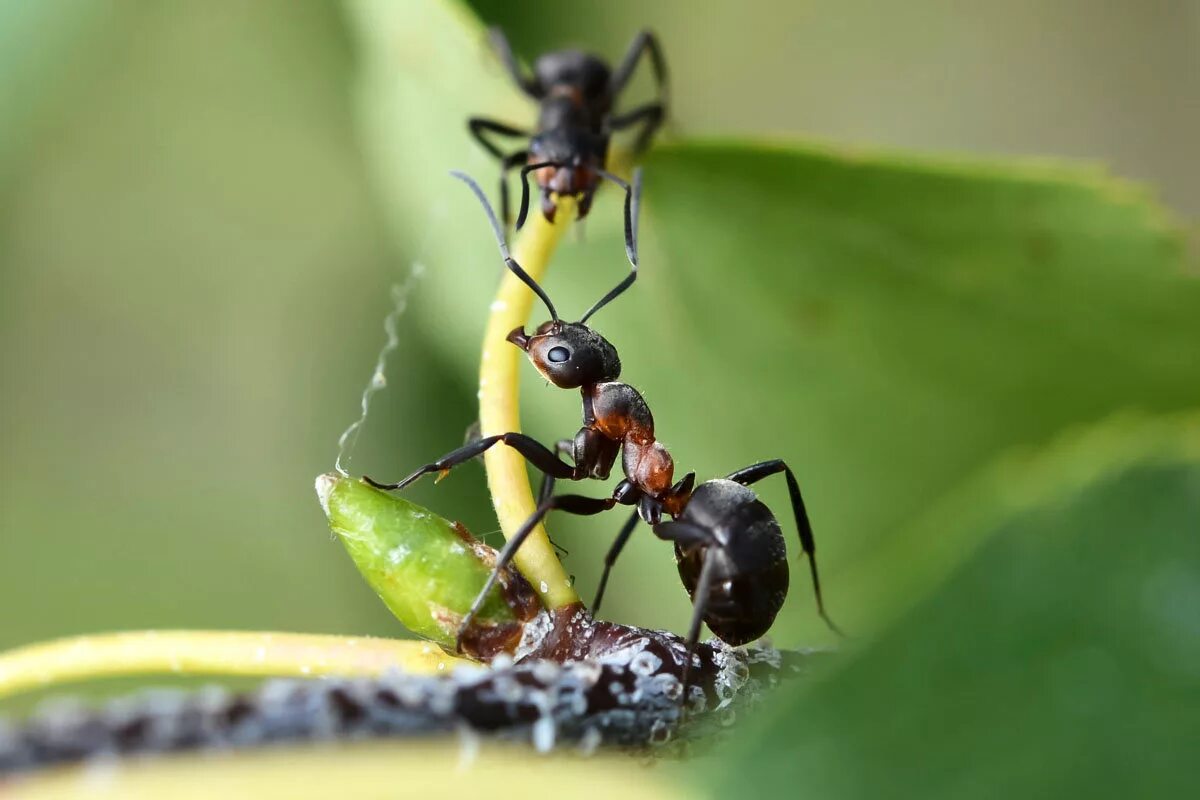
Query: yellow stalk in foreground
[[222, 653], [426, 769], [500, 412]]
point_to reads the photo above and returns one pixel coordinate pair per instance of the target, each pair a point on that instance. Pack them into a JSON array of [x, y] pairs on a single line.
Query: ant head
[[569, 354], [566, 163]]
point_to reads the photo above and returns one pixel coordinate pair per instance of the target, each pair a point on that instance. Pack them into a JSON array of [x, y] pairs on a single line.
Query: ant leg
[[611, 558], [633, 203], [546, 490], [644, 42], [503, 49], [533, 451], [571, 503], [764, 469], [699, 606], [479, 126], [687, 536], [650, 115], [561, 447]]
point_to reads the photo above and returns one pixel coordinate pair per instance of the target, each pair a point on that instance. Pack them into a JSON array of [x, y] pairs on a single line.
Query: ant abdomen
[[748, 580]]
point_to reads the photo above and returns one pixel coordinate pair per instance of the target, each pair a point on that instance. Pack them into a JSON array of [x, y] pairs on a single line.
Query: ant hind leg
[[610, 558], [763, 469]]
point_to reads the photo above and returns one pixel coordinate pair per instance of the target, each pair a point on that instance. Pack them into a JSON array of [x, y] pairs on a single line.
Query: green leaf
[[1062, 660], [39, 42], [899, 325], [887, 324]]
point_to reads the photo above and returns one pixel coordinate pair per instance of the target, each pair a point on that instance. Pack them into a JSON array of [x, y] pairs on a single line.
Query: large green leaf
[[1062, 661], [39, 42], [889, 325]]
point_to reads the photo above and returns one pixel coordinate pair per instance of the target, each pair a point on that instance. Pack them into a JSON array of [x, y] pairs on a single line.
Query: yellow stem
[[214, 653], [500, 412], [430, 769]]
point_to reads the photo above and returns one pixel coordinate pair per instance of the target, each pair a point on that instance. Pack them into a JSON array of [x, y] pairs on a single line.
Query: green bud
[[426, 569]]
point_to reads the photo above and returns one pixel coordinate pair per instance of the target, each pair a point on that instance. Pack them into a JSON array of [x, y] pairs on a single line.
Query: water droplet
[[544, 734], [660, 732], [645, 663]]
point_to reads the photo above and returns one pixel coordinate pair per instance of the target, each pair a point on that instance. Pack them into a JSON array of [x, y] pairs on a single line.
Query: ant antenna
[[509, 261], [633, 200]]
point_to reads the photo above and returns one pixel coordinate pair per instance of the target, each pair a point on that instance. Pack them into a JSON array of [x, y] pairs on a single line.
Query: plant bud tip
[[325, 484]]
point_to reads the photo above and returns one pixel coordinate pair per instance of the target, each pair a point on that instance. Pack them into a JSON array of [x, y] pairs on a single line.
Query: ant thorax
[[620, 413]]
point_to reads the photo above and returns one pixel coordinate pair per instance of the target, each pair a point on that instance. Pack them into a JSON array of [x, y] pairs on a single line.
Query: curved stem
[[500, 411], [222, 653], [407, 766]]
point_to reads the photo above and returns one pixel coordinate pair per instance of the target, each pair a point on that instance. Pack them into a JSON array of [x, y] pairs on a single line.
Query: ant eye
[[558, 355]]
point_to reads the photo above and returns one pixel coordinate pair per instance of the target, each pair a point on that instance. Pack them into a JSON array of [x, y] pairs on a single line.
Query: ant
[[729, 547], [575, 92]]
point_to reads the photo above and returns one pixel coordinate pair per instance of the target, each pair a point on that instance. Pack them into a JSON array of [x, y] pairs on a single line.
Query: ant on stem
[[568, 150], [729, 547]]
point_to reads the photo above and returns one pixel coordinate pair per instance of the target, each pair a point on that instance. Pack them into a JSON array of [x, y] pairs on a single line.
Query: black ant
[[728, 545], [575, 92]]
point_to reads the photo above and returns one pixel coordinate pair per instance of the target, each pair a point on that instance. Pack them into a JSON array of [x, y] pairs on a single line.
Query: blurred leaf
[[1063, 660], [38, 43], [886, 324]]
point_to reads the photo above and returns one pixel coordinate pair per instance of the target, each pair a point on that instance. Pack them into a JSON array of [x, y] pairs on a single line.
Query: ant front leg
[[593, 454], [644, 42], [764, 469], [503, 49], [571, 503], [533, 451]]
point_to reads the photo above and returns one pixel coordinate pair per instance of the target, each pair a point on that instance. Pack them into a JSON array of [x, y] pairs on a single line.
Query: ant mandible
[[567, 152], [729, 546]]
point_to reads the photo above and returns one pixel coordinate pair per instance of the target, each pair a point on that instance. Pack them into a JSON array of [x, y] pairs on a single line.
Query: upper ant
[[567, 152], [728, 545]]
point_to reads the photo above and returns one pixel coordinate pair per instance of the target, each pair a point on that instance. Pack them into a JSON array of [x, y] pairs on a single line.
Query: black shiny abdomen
[[750, 579]]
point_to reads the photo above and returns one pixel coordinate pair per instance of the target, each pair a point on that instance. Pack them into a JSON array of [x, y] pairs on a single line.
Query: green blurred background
[[194, 269]]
